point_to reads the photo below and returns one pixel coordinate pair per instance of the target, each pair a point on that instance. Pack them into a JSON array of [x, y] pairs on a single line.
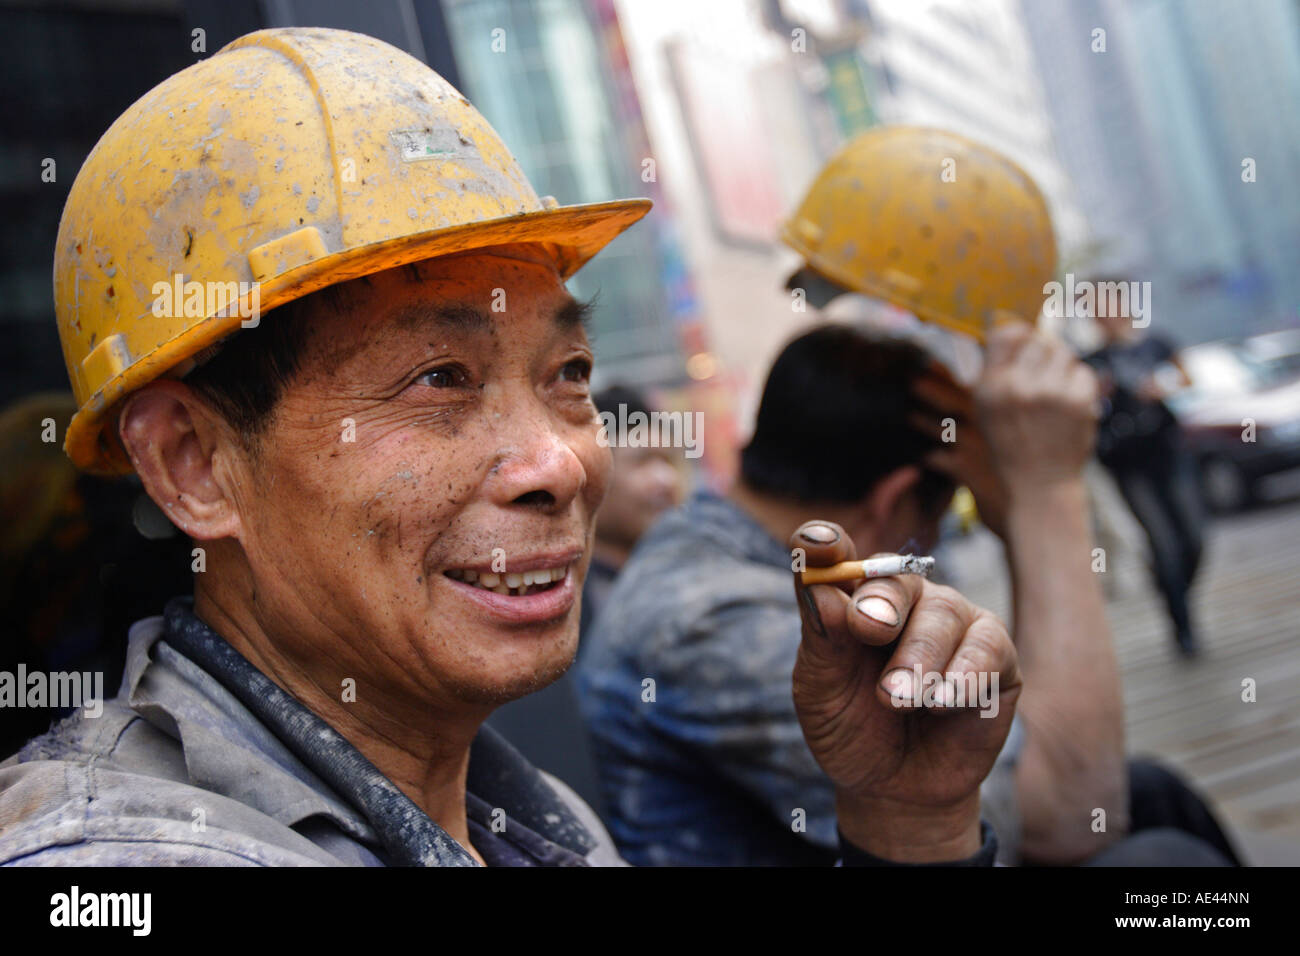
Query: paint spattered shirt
[[202, 760]]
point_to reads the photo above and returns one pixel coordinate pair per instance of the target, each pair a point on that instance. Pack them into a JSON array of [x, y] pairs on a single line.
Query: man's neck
[[779, 517], [429, 765]]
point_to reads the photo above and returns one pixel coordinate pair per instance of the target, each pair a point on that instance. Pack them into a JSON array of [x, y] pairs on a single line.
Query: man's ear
[[889, 495], [173, 439]]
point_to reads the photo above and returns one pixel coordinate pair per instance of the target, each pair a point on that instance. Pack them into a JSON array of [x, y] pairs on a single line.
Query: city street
[[1245, 756]]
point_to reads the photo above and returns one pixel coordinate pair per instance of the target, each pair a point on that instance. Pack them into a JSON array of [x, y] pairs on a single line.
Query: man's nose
[[536, 463]]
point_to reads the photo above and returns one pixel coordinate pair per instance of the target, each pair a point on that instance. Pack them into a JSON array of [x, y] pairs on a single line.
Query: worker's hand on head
[[1029, 423], [907, 763], [964, 454], [1038, 406]]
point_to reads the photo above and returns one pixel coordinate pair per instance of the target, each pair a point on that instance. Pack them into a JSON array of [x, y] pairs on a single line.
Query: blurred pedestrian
[[1141, 442], [645, 482], [546, 726], [708, 587]]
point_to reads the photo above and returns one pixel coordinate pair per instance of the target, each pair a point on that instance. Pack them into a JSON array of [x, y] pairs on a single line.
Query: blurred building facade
[[733, 142], [554, 78], [1179, 121], [722, 112], [544, 73]]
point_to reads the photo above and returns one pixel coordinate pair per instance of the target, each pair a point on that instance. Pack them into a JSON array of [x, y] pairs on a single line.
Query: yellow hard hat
[[293, 159], [933, 222]]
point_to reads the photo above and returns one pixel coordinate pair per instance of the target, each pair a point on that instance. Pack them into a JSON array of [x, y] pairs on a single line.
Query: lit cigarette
[[870, 568]]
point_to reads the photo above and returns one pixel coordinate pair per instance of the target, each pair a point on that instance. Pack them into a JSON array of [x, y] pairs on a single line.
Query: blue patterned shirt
[[685, 685]]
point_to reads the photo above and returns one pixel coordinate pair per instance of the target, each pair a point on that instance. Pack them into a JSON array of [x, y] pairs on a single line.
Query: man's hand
[[1037, 403], [1030, 422], [1022, 440], [1151, 390], [906, 775]]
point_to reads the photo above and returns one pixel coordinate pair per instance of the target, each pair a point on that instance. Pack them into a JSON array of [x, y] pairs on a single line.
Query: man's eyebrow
[[574, 313], [452, 317], [571, 314]]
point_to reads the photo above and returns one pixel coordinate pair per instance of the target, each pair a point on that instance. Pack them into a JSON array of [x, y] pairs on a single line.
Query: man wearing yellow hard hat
[[960, 236], [306, 294], [871, 434]]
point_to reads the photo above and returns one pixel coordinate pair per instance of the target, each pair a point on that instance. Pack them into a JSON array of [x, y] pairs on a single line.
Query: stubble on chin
[[498, 690]]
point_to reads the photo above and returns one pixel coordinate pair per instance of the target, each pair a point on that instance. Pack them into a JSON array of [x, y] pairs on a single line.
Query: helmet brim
[[571, 235]]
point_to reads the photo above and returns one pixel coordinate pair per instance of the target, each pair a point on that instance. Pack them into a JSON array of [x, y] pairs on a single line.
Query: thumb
[[821, 606], [823, 610]]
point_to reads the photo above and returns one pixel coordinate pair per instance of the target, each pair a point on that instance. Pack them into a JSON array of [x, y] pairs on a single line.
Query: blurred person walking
[[1141, 443]]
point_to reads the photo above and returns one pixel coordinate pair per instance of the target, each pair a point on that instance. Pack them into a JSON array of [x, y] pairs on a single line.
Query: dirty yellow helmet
[[290, 160], [933, 222]]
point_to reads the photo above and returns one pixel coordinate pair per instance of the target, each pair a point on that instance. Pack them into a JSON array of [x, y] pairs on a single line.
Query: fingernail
[[819, 534], [878, 609], [900, 684]]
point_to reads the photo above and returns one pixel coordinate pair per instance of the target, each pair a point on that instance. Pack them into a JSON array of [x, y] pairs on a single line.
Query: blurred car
[[1278, 353], [1241, 417]]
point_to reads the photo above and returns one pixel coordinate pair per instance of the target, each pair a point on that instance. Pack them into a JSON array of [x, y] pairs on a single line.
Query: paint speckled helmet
[[293, 159], [932, 222]]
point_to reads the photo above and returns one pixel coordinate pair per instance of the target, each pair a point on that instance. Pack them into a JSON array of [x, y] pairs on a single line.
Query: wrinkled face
[[643, 485], [440, 437]]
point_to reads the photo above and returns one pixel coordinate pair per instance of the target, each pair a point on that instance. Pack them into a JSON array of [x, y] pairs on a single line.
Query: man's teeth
[[525, 582]]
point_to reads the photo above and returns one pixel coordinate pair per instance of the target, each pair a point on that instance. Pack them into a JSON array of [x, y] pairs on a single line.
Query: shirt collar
[[226, 749], [714, 517], [245, 737]]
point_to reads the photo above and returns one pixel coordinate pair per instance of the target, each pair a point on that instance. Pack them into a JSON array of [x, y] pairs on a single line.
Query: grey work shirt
[[215, 765]]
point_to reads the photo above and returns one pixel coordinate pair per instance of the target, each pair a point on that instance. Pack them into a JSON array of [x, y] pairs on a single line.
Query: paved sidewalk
[[1244, 756]]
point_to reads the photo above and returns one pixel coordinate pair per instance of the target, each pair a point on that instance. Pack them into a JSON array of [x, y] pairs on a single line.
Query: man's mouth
[[514, 584]]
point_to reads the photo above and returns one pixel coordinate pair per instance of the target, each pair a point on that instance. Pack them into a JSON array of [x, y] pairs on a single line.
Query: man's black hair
[[833, 419], [609, 399], [252, 368]]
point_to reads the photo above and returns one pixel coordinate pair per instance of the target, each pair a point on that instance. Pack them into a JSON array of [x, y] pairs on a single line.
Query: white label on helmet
[[418, 144]]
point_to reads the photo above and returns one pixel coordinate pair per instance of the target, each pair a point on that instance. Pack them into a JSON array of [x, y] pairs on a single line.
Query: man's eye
[[444, 376], [579, 370]]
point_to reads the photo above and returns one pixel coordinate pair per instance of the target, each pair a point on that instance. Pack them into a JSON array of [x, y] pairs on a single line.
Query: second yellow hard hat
[[933, 222]]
